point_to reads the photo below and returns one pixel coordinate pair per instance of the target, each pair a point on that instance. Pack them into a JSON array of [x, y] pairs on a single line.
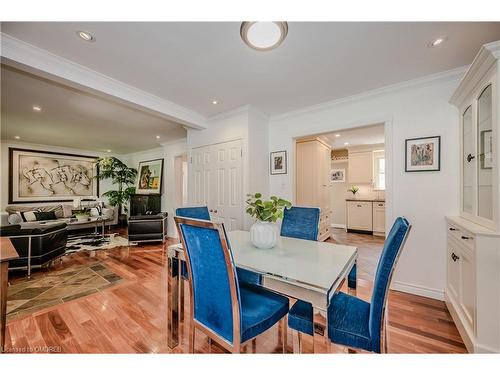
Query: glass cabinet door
[[485, 155], [468, 162]]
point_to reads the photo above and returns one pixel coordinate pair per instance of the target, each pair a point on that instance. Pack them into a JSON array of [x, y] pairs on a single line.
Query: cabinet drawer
[[462, 236], [378, 205]]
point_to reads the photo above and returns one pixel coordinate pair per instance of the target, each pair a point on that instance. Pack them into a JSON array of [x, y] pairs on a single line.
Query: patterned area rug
[[93, 243], [48, 289]]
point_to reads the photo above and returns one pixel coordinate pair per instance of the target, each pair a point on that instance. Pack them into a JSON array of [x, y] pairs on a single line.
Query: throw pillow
[[67, 210], [44, 216], [94, 212], [15, 218], [29, 215]]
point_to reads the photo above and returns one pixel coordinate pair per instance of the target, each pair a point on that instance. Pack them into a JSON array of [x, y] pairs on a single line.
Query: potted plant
[[123, 177], [353, 189], [264, 232], [82, 214]]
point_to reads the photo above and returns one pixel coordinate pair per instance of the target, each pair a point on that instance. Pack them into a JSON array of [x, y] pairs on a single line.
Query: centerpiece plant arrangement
[[264, 232], [123, 177], [353, 189]]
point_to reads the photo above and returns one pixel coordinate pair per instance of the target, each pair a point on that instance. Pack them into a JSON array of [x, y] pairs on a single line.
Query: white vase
[[263, 234]]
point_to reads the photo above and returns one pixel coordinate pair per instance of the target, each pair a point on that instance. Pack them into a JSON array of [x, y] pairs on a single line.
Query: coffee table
[[97, 220]]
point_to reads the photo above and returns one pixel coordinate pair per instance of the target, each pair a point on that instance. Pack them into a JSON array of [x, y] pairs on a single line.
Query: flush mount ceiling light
[[157, 137], [85, 36], [108, 150], [438, 41], [263, 36], [17, 137], [346, 143], [337, 135], [214, 102], [37, 108]]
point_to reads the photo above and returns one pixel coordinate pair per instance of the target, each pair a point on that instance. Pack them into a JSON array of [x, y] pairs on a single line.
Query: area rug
[[93, 243], [55, 287]]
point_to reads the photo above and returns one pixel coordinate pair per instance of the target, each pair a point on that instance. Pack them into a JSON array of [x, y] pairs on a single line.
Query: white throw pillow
[[15, 218], [29, 216], [94, 212]]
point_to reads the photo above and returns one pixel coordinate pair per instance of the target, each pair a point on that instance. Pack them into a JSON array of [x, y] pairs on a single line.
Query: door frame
[[389, 160]]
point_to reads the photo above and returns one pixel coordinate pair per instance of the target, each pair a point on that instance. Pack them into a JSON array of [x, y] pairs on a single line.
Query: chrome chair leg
[[181, 299], [297, 344], [192, 332]]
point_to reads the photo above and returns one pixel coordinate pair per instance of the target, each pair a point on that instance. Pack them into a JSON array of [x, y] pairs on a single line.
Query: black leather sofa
[[36, 245], [147, 228]]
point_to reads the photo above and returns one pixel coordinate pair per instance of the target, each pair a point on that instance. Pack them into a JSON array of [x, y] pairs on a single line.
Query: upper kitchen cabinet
[[361, 167], [478, 100]]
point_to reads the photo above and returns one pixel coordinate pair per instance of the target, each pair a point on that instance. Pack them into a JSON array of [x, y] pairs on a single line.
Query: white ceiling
[[73, 119], [193, 63], [366, 135]]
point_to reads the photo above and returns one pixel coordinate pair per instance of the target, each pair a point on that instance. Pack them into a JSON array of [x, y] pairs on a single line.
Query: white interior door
[[216, 175]]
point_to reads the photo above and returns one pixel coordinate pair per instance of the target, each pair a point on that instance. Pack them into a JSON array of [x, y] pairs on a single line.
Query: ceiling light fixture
[[263, 36], [37, 108], [337, 135], [17, 137], [108, 150], [214, 102], [436, 42], [157, 137], [346, 143], [85, 36]]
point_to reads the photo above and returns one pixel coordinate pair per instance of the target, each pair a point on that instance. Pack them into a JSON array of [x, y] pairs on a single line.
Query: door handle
[[452, 229], [215, 211], [470, 157], [465, 238], [455, 257]]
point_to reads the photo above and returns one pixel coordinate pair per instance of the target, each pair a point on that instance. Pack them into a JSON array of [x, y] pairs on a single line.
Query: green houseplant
[[122, 176], [353, 189], [264, 233]]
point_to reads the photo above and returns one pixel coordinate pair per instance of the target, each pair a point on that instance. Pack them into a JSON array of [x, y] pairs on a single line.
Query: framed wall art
[[278, 162], [149, 178], [423, 154], [337, 175], [44, 176]]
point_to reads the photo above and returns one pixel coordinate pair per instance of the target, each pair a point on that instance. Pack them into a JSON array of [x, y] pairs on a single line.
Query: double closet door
[[216, 182]]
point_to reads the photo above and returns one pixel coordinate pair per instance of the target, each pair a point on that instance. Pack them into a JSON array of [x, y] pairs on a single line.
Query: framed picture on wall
[[43, 176], [149, 178], [337, 175], [278, 162], [423, 154]]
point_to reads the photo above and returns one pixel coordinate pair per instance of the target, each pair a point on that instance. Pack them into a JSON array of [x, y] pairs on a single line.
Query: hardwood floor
[[131, 316]]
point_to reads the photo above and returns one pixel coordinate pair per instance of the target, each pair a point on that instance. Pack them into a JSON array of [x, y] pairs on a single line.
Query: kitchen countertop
[[364, 200]]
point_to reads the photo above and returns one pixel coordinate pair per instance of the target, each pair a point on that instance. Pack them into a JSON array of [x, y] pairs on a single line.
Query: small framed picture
[[278, 162], [486, 157], [149, 178], [337, 175], [423, 154]]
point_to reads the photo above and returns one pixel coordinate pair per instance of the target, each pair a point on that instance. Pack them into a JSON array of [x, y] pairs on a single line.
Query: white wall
[[421, 109], [104, 185]]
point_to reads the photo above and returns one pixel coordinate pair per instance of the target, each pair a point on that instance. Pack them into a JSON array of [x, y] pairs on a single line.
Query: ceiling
[[192, 63], [74, 119], [366, 135]]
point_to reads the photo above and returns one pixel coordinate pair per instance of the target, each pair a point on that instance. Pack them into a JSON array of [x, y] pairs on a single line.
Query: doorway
[[181, 180]]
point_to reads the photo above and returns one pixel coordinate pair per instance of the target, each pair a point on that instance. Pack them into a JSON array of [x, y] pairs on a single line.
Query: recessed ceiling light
[[108, 150], [37, 108], [157, 137], [346, 143], [17, 137], [214, 102], [85, 36], [337, 135], [263, 36], [436, 42]]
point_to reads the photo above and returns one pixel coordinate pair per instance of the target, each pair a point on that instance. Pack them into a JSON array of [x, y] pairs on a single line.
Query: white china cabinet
[[472, 291]]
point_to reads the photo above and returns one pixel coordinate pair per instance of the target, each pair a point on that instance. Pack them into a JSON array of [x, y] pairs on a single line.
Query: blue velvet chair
[[227, 312], [353, 322], [301, 222]]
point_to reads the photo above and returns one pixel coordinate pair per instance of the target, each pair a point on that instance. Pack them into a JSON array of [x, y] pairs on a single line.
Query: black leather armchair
[[147, 228], [36, 245]]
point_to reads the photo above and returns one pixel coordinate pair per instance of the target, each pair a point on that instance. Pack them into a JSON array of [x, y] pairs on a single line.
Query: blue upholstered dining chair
[[301, 222], [353, 322], [229, 313]]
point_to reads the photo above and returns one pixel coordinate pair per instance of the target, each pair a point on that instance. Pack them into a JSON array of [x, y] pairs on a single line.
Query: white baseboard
[[418, 290], [341, 226]]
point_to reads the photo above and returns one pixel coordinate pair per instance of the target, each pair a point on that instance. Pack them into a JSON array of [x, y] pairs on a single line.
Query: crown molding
[[390, 89], [27, 57], [231, 113], [486, 57]]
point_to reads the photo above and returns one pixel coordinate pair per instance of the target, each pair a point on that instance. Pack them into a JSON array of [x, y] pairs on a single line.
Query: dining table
[[7, 253], [311, 271]]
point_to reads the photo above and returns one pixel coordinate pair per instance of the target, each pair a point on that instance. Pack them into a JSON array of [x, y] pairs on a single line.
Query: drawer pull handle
[[455, 257], [465, 238], [452, 229], [380, 205], [358, 205]]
